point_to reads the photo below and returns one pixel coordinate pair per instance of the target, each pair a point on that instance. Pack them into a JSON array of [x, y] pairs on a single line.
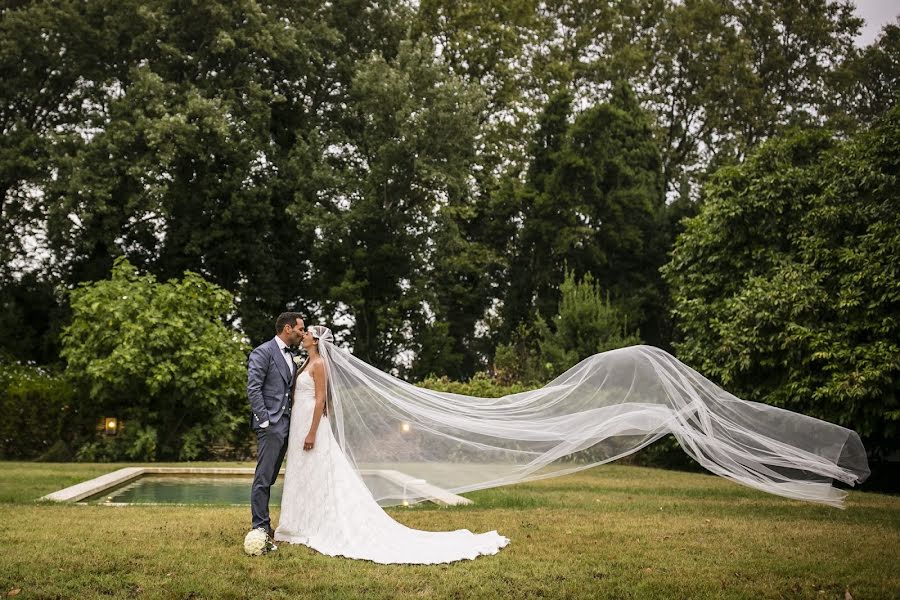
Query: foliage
[[398, 168], [785, 284], [159, 357], [397, 173], [482, 385], [39, 411], [30, 318], [718, 77], [161, 132], [587, 323], [594, 202], [132, 442], [868, 85]]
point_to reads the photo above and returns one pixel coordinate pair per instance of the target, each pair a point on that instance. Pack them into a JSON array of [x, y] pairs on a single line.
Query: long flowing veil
[[605, 407]]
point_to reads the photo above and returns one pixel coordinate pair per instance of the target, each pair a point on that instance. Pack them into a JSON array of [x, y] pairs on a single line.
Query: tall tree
[[783, 282], [719, 77], [163, 132], [537, 220], [868, 85], [46, 64], [394, 176], [177, 170], [594, 202]]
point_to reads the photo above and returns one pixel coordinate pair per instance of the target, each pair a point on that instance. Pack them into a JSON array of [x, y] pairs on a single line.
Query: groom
[[270, 371]]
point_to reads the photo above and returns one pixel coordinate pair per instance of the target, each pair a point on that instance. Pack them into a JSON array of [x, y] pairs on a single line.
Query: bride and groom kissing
[[325, 504]]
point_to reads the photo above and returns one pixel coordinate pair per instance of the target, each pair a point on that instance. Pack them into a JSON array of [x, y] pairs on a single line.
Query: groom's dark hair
[[286, 318]]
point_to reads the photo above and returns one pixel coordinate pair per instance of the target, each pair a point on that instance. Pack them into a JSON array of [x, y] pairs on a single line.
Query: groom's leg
[[270, 452], [279, 460]]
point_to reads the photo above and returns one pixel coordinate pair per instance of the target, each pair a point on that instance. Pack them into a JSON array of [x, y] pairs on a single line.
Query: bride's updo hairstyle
[[321, 333]]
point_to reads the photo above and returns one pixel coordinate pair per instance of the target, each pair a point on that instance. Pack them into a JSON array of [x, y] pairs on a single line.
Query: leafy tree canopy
[[785, 284]]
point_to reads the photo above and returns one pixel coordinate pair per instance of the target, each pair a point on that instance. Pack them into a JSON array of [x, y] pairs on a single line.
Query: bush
[[480, 386], [37, 407], [133, 442], [58, 452], [161, 358]]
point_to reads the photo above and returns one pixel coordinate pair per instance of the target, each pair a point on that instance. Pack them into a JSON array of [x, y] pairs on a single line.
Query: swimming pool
[[229, 486]]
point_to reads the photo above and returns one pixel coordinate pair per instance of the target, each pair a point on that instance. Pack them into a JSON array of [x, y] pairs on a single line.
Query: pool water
[[190, 489], [224, 490]]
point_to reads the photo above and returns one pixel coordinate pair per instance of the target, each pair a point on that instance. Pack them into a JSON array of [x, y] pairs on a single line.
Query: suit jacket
[[269, 382]]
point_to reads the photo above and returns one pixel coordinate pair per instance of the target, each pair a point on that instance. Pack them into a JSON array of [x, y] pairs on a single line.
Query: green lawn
[[610, 532]]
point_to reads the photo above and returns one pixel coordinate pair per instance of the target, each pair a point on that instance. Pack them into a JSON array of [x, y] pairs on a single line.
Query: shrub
[[161, 358], [38, 411], [480, 386]]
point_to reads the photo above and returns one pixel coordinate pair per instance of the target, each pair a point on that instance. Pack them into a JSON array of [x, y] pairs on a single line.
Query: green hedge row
[[481, 386], [38, 414]]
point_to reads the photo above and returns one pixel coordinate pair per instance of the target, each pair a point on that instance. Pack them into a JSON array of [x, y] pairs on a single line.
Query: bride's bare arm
[[318, 374]]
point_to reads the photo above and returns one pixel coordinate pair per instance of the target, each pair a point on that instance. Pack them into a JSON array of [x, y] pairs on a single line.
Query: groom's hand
[[309, 442]]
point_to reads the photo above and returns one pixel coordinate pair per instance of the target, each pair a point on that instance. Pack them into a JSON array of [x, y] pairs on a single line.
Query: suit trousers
[[272, 445]]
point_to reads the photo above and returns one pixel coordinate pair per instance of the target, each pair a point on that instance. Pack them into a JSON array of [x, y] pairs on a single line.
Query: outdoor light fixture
[[404, 428], [110, 425]]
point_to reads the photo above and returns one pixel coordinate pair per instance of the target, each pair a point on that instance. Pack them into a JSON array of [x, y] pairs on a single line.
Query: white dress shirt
[[288, 358]]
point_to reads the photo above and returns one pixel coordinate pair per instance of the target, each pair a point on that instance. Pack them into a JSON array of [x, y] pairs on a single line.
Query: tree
[[535, 219], [392, 181], [160, 357], [586, 323], [165, 133], [783, 284], [31, 314], [226, 137], [868, 85], [718, 77], [593, 201], [178, 170]]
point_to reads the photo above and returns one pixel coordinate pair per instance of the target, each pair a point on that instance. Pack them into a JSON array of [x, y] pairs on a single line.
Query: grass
[[609, 532]]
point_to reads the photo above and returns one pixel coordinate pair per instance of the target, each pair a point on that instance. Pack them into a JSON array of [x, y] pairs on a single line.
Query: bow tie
[[289, 350]]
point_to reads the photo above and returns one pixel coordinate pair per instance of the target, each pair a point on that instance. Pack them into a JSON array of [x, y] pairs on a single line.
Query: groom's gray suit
[[269, 381]]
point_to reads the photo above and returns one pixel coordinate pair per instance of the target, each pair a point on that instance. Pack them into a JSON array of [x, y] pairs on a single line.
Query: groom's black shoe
[[271, 533]]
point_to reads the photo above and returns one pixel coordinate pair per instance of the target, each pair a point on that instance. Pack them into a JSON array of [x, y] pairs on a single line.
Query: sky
[[877, 14]]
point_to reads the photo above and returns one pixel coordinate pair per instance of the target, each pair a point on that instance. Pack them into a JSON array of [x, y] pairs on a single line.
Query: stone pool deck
[[98, 485]]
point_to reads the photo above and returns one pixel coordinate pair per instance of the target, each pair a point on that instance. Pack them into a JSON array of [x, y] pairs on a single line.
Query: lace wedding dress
[[326, 505]]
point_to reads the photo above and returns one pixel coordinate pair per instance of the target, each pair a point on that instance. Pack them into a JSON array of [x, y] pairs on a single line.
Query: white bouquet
[[257, 543]]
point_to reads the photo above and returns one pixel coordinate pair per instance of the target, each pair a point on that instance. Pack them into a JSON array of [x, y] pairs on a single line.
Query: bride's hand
[[309, 442]]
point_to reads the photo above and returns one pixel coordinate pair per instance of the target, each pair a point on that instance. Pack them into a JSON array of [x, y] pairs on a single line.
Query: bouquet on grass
[[257, 542]]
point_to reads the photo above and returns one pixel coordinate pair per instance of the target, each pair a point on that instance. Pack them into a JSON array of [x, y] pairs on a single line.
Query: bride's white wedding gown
[[326, 505]]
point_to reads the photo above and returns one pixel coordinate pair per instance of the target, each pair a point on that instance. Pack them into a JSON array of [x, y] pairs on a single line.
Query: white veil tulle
[[605, 407]]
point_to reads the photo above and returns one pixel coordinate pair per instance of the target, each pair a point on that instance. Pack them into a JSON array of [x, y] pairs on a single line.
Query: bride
[[350, 417], [325, 504]]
